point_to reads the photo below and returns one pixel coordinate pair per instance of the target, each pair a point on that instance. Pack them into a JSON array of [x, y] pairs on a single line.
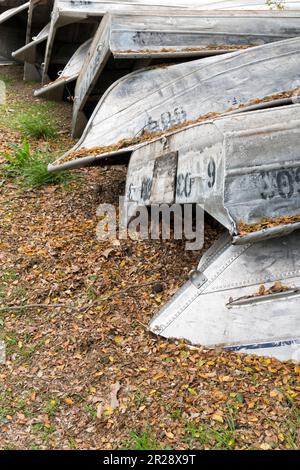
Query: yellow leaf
[[118, 339], [218, 418], [108, 411], [69, 401], [265, 446], [170, 435], [159, 376]]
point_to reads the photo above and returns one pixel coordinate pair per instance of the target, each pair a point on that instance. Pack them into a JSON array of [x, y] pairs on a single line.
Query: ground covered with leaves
[[82, 370]]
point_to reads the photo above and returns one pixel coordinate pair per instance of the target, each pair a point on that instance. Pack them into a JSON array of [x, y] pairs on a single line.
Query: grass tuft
[[36, 125], [142, 441], [32, 168]]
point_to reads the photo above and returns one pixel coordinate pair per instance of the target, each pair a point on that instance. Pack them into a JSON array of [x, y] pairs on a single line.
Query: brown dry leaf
[[49, 254]]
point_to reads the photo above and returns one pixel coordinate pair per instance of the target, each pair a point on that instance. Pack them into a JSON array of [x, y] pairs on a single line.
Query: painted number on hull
[[211, 171], [146, 189], [283, 183], [166, 120], [184, 185]]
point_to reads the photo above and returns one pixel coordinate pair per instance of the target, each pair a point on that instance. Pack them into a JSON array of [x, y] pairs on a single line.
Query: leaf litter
[[93, 377]]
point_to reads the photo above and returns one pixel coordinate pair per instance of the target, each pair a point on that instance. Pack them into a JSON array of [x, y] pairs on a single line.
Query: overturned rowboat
[[39, 14], [244, 169], [55, 90], [67, 13], [33, 52], [36, 15], [146, 104], [13, 24], [79, 20], [242, 298], [127, 42]]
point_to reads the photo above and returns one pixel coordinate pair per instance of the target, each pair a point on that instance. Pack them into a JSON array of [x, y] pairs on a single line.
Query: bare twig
[[21, 307]]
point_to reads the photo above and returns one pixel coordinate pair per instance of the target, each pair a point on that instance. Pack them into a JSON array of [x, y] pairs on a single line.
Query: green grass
[[221, 438], [5, 78], [32, 120], [208, 437], [91, 410], [143, 441], [36, 125], [32, 168], [292, 434], [43, 431], [51, 407]]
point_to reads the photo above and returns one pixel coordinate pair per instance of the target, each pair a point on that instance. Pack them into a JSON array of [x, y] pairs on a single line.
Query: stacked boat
[[202, 100]]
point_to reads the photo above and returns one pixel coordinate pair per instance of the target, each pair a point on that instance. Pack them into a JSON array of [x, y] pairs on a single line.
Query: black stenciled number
[[184, 185], [211, 171], [146, 189], [267, 186], [297, 178], [285, 184], [188, 185]]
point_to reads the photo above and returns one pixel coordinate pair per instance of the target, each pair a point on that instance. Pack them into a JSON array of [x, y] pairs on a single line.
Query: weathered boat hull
[[66, 12], [29, 52], [55, 90], [38, 16], [126, 42], [243, 298], [243, 169], [149, 103], [13, 23]]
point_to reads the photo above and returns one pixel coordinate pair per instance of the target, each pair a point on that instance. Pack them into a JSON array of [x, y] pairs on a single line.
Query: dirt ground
[[83, 372]]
